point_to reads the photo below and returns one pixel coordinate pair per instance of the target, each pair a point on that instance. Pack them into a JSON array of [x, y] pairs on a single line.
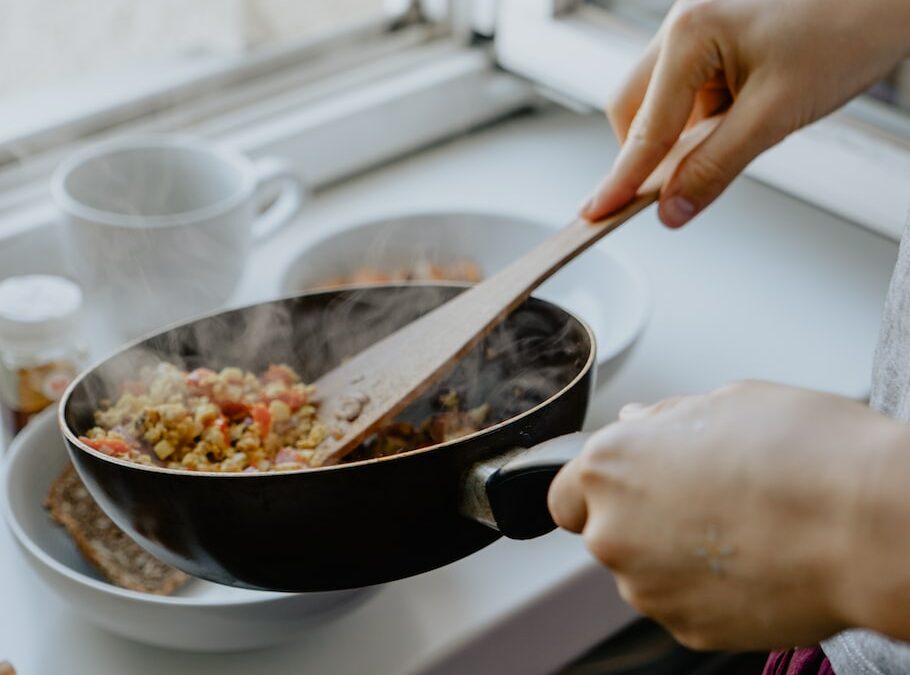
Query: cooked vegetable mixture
[[208, 421], [237, 421]]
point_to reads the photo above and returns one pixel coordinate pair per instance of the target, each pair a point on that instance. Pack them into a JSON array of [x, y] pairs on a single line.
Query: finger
[[607, 536], [566, 499], [713, 99], [683, 66], [628, 98], [626, 589], [668, 404], [634, 411], [750, 127], [729, 388]]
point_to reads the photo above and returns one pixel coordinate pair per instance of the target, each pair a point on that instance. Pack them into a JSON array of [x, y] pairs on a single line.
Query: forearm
[[891, 19], [874, 587]]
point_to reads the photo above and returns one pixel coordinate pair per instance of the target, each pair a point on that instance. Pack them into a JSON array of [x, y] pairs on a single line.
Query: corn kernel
[[280, 411], [164, 450]]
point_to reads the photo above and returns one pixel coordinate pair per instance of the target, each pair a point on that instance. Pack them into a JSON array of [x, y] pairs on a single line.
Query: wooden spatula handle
[[382, 380], [361, 392]]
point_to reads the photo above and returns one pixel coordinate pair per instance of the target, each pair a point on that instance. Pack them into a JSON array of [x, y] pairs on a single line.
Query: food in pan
[[202, 420], [234, 420], [447, 425], [104, 545], [424, 270]]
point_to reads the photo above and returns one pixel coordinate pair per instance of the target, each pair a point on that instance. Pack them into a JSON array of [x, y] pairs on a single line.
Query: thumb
[[750, 127]]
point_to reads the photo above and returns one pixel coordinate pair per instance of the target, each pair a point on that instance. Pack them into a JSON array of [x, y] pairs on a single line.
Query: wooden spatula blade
[[379, 382]]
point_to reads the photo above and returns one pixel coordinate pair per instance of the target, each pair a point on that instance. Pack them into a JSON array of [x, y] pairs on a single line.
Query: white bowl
[[201, 617], [603, 287]]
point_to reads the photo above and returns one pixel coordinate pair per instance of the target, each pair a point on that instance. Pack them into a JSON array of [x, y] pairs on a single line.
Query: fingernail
[[677, 211]]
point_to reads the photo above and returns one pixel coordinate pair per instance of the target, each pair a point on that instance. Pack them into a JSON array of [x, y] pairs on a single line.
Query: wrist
[[868, 571]]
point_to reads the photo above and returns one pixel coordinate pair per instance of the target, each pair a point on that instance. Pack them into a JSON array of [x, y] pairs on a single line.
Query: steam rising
[[530, 357]]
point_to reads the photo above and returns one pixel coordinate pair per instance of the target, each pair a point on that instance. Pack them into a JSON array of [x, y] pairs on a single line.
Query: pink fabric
[[800, 661]]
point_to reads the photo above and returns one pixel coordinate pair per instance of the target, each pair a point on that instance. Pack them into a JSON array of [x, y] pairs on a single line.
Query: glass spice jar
[[41, 347]]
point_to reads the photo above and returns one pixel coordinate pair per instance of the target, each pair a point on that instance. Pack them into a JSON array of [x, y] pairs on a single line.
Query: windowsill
[[66, 110], [63, 104], [426, 91]]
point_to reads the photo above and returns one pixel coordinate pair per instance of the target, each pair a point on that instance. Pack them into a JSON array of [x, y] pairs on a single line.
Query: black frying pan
[[367, 521]]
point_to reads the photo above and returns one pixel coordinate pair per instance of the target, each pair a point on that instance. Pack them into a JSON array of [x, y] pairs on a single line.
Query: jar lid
[[38, 308]]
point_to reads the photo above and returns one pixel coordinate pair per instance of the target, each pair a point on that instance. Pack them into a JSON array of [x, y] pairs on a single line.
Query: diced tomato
[[263, 418], [234, 409], [201, 381], [294, 399], [109, 446], [221, 423], [280, 373], [134, 387]]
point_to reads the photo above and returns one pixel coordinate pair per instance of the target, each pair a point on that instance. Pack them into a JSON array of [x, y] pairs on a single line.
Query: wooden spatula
[[383, 379]]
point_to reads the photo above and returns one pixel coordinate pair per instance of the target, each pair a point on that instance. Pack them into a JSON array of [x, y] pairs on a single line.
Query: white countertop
[[763, 286]]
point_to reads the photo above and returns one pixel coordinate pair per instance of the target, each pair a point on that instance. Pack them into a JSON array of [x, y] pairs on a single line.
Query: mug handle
[[289, 200]]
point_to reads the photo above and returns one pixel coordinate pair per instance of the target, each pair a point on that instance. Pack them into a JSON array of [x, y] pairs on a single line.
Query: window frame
[[420, 83], [62, 112], [582, 52], [312, 94]]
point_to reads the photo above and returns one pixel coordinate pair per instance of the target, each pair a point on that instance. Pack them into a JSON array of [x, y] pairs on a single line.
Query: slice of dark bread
[[121, 560]]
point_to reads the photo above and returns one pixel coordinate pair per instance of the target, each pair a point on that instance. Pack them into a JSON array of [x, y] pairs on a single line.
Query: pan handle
[[509, 492]]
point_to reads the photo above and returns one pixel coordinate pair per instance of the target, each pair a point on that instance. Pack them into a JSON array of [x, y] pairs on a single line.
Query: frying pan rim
[[74, 441]]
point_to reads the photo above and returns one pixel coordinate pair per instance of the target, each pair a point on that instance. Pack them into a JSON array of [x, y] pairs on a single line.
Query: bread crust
[[117, 557]]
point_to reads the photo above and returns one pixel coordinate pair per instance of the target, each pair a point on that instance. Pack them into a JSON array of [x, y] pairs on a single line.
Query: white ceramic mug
[[158, 227]]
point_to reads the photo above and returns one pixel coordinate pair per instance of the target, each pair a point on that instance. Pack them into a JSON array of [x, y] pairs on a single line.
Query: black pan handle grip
[[509, 492]]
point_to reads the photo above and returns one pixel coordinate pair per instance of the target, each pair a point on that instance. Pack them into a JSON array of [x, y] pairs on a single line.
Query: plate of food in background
[[605, 287], [101, 573]]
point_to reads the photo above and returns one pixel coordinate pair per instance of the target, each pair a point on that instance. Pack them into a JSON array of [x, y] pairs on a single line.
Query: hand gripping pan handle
[[509, 492]]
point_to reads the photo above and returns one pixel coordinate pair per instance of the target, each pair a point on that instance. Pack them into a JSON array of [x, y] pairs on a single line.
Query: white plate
[[602, 286], [202, 617]]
